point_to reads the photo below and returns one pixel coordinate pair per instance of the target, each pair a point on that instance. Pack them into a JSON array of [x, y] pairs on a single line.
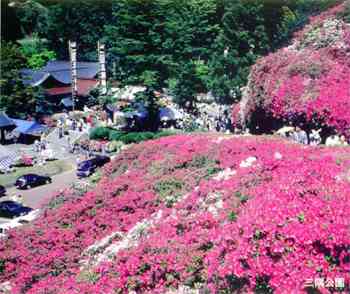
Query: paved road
[[34, 197]]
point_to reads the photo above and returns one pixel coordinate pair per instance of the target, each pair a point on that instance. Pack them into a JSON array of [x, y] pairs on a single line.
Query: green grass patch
[[232, 216], [169, 190]]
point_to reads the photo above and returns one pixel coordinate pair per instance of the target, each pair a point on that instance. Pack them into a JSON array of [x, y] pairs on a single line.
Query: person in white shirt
[[299, 136], [315, 138]]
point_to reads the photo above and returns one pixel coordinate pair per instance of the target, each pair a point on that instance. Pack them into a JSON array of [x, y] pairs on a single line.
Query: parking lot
[[35, 197]]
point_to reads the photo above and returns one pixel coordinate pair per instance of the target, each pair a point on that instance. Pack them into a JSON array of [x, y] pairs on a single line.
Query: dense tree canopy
[[210, 43], [161, 38], [15, 98], [81, 21], [60, 21]]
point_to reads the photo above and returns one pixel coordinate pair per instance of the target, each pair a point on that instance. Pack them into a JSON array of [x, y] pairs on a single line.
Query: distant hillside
[[307, 83]]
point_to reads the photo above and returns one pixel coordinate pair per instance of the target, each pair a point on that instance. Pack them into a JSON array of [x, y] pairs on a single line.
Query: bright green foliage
[[103, 133], [37, 61], [16, 99], [36, 53], [31, 45]]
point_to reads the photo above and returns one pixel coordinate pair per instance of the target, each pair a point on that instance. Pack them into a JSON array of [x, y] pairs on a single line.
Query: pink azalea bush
[[309, 79], [24, 160], [51, 246], [267, 226]]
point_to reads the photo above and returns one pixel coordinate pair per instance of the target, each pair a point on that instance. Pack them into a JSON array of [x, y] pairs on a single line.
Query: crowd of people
[[313, 138], [65, 124], [208, 118], [41, 145], [298, 135], [335, 140]]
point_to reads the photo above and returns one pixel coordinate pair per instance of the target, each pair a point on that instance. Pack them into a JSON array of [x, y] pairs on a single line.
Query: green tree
[[82, 21], [135, 40], [15, 98], [33, 15], [185, 86], [36, 52], [155, 36], [37, 61], [191, 28], [242, 40]]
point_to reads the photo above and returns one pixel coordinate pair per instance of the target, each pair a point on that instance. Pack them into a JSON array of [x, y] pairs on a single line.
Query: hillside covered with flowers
[[219, 213], [306, 83]]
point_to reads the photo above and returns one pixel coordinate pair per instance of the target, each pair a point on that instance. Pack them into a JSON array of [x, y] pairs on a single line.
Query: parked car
[[13, 209], [2, 191], [31, 180], [88, 167]]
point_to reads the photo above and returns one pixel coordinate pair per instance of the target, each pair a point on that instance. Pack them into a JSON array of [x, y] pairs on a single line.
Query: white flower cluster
[[247, 162], [225, 174], [106, 248], [330, 33], [212, 203]]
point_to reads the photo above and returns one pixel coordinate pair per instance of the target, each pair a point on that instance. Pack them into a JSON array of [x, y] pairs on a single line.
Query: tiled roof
[[5, 121], [84, 87], [60, 71]]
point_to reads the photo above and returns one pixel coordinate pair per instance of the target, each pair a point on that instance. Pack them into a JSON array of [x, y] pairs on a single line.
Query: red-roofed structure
[[84, 88]]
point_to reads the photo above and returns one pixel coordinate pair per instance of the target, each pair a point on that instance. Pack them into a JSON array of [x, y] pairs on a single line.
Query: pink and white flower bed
[[183, 212]]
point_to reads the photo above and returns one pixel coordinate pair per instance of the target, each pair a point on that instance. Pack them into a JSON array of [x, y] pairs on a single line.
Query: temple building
[[55, 79]]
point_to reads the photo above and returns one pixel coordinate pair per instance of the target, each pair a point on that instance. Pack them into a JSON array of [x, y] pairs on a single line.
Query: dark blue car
[[13, 209], [88, 167], [31, 180]]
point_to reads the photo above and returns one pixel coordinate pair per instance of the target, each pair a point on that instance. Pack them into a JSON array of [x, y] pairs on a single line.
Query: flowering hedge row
[[308, 79], [236, 213]]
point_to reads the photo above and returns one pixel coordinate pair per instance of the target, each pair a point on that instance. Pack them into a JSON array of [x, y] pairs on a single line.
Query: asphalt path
[[35, 197]]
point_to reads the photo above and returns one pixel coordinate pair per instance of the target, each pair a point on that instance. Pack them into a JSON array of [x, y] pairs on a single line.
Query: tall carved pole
[[73, 60], [102, 62]]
